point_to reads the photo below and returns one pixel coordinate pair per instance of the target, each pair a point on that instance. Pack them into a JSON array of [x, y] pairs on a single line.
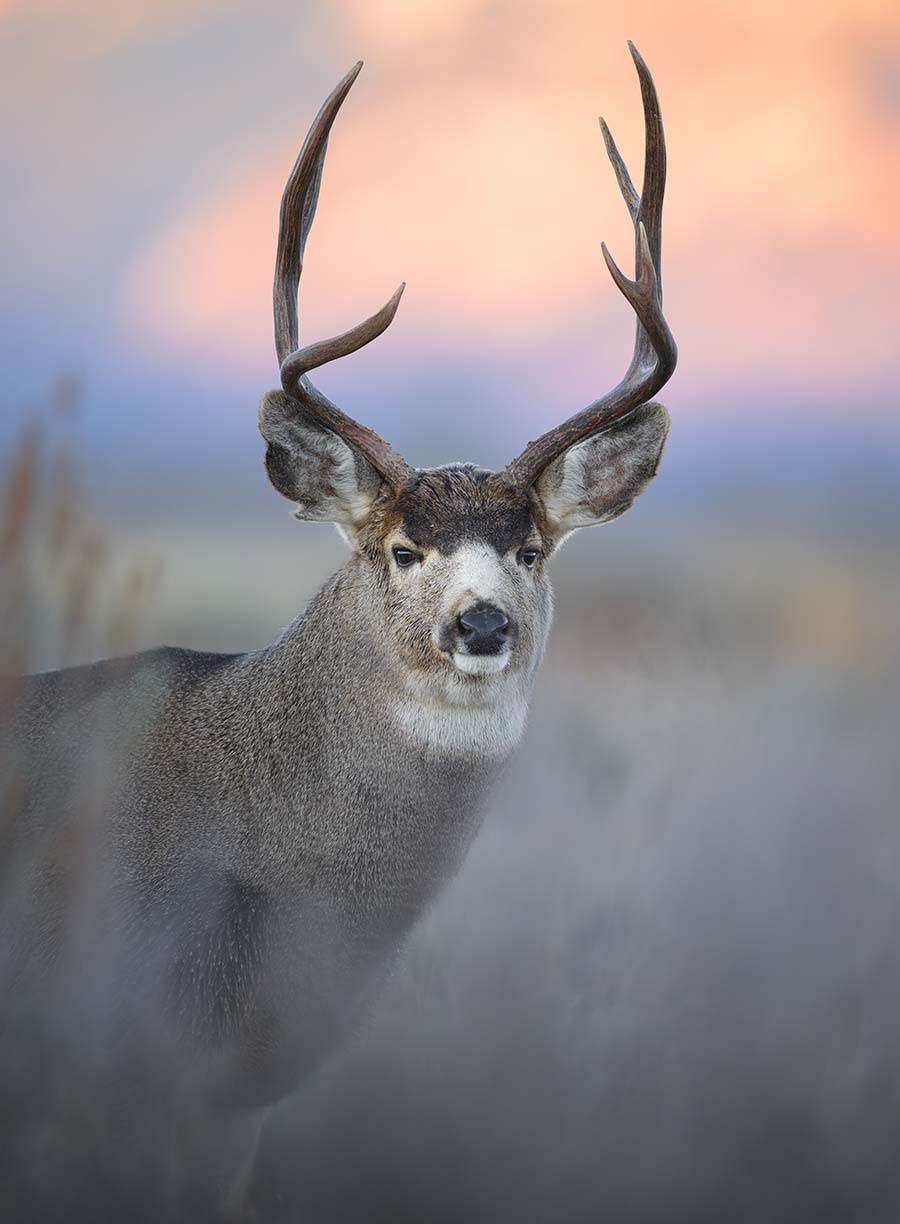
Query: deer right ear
[[309, 464]]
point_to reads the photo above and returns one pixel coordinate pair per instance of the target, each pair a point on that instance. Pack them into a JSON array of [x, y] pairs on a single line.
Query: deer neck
[[367, 770]]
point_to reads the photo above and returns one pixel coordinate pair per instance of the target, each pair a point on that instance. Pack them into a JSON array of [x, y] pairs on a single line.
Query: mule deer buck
[[213, 860]]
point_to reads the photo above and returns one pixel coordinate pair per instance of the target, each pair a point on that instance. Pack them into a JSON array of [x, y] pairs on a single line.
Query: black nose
[[484, 629]]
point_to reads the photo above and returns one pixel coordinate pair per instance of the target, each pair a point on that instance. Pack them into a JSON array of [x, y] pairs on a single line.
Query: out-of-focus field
[[666, 984]]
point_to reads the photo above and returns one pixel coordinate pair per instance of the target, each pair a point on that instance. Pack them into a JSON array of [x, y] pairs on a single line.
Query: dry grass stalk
[[65, 594]]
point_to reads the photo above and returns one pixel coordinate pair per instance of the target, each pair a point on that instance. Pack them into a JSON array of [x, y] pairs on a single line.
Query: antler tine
[[298, 208], [655, 354], [629, 195]]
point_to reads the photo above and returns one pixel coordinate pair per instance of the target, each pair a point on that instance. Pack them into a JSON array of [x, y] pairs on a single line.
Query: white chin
[[480, 665]]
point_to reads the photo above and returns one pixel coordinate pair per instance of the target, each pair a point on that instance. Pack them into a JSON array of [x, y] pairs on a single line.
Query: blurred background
[[665, 985]]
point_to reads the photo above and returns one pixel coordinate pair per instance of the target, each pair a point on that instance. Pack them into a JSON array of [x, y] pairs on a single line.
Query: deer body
[[215, 859], [259, 845], [297, 812]]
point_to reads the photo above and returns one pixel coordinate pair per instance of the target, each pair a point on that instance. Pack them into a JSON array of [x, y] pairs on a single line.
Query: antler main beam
[[655, 353], [298, 208]]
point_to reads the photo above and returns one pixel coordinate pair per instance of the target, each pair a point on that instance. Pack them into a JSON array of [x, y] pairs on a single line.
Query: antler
[[298, 207], [655, 354]]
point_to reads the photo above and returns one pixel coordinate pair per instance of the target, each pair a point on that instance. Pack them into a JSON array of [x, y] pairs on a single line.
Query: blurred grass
[[67, 594]]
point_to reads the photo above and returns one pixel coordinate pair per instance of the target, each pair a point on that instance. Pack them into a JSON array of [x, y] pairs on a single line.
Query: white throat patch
[[461, 713], [488, 730]]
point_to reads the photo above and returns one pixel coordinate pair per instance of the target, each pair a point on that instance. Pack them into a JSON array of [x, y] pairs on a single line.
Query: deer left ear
[[596, 480]]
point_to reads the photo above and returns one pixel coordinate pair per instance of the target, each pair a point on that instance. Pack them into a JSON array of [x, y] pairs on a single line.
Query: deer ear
[[309, 464], [596, 480]]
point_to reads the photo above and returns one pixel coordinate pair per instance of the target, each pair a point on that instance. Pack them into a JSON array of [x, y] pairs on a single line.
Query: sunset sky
[[146, 144]]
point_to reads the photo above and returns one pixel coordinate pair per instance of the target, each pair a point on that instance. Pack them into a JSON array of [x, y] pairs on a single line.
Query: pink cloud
[[468, 162]]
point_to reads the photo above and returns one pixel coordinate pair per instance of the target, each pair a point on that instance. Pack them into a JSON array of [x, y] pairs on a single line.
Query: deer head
[[455, 556]]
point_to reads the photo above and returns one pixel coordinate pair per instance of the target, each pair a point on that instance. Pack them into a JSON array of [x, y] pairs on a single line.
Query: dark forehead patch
[[447, 507]]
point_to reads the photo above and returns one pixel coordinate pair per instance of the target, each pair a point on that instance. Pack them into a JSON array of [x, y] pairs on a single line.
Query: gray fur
[[213, 861]]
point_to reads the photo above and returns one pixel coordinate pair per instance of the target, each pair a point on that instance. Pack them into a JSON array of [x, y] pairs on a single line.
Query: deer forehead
[[447, 509]]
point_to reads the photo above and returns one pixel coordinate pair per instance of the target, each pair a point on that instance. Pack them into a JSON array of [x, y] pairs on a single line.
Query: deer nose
[[484, 629]]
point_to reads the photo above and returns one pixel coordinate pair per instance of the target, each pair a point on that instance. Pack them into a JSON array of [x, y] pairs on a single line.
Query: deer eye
[[528, 556], [405, 557]]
